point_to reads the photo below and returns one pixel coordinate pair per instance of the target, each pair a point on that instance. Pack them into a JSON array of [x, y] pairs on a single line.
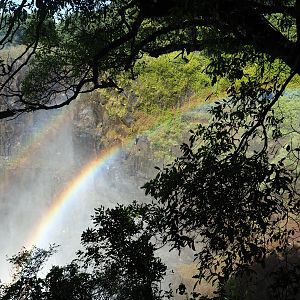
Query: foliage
[[159, 84], [119, 248], [25, 281], [168, 80], [73, 47], [117, 262], [228, 197]]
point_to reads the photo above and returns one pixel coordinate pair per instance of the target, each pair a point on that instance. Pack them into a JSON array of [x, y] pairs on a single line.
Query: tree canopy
[[72, 47]]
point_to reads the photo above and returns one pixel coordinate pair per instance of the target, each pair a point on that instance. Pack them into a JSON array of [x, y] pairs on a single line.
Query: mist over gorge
[[41, 155]]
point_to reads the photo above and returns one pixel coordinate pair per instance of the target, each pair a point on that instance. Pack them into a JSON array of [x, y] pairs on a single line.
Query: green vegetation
[[170, 95], [160, 84], [162, 99], [167, 82]]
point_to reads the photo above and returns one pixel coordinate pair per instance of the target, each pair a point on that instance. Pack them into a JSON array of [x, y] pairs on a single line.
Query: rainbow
[[21, 158], [68, 194]]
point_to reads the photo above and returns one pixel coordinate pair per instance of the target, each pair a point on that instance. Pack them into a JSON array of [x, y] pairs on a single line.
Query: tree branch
[[263, 115]]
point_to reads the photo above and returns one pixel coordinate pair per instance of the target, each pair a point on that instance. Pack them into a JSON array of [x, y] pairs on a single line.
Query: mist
[[42, 156]]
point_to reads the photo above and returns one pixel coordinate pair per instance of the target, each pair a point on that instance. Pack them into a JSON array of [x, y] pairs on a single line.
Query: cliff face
[[94, 130]]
